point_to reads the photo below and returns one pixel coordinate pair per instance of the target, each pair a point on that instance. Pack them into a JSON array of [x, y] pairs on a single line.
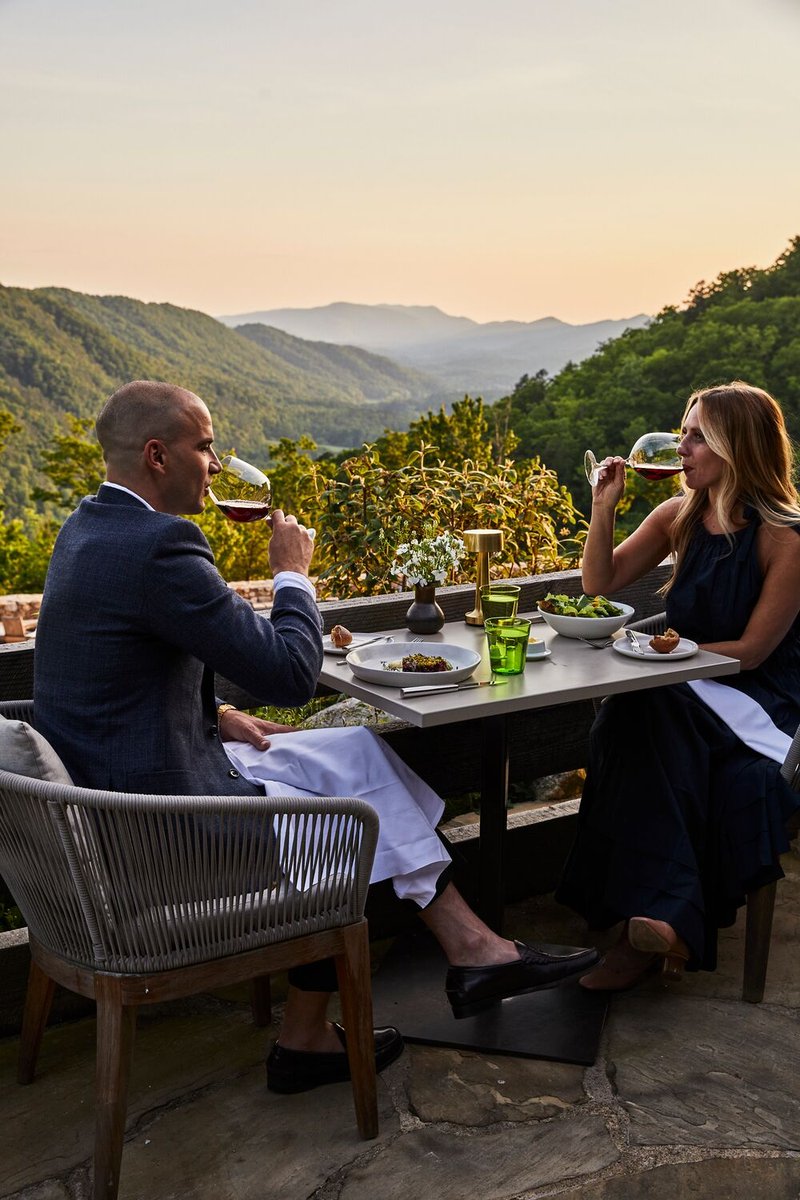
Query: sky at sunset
[[501, 159]]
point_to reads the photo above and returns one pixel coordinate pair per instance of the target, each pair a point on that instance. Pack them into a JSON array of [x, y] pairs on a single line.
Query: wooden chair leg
[[38, 999], [116, 1025], [261, 1001], [355, 990], [758, 933]]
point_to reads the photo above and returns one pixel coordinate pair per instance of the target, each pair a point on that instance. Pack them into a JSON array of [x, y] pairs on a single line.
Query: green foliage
[[363, 507], [25, 550], [10, 917], [74, 465], [62, 353], [296, 716], [745, 325], [25, 543]]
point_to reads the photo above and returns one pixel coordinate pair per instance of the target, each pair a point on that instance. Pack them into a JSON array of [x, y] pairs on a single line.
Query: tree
[[74, 465]]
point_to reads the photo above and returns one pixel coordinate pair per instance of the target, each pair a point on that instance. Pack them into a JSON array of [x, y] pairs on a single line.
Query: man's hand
[[236, 726], [290, 546]]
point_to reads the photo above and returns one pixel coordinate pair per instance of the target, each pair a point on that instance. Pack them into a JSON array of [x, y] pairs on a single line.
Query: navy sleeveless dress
[[679, 818]]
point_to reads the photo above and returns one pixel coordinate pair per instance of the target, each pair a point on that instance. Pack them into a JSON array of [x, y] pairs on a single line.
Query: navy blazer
[[135, 620]]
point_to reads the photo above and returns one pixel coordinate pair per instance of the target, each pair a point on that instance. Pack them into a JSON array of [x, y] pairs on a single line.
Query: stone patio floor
[[694, 1094]]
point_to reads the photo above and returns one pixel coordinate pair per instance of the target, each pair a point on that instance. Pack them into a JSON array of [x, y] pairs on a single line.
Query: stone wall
[[18, 613]]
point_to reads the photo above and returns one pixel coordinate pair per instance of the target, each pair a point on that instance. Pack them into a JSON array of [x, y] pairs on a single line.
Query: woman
[[680, 817]]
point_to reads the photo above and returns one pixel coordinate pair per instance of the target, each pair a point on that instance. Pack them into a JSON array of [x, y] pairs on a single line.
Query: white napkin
[[745, 716]]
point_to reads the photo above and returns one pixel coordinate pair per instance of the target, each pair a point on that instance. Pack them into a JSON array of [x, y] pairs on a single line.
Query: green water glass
[[508, 643], [499, 599]]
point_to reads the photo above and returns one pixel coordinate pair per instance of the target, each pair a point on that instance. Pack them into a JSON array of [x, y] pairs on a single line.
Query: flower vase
[[424, 615]]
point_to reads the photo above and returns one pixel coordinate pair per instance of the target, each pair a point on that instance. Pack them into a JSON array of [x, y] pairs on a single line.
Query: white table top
[[574, 671]]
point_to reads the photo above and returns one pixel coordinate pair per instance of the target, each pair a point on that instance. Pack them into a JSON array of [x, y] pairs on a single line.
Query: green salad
[[579, 606]]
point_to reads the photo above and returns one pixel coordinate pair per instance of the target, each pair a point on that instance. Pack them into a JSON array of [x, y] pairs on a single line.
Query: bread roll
[[664, 643]]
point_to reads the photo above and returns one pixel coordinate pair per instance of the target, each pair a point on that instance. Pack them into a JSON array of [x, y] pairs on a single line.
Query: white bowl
[[589, 627], [370, 663]]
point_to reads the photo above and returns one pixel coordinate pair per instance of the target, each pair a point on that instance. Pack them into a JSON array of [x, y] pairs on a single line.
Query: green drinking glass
[[499, 599], [508, 643]]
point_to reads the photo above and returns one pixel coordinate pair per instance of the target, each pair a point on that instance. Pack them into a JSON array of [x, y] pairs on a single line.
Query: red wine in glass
[[244, 510], [241, 491], [654, 456], [654, 471]]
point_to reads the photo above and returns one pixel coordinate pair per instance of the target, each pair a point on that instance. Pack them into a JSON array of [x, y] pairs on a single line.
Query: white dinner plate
[[684, 649], [358, 640], [370, 663]]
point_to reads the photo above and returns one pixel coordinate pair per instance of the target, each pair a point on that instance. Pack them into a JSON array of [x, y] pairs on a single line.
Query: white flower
[[428, 560]]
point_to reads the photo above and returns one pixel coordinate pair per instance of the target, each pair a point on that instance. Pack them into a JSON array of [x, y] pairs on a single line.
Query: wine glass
[[241, 491], [653, 456]]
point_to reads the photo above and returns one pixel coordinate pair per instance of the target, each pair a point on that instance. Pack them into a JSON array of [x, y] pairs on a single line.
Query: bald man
[[135, 621]]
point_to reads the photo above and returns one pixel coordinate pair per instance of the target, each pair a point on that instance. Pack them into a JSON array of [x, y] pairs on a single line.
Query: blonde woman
[[684, 808]]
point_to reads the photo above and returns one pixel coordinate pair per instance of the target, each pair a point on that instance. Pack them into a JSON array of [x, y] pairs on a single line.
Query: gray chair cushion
[[23, 751]]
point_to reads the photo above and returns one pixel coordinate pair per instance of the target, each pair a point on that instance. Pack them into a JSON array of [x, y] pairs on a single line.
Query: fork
[[342, 662], [596, 644]]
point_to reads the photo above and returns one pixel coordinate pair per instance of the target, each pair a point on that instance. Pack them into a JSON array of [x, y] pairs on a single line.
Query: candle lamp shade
[[481, 542]]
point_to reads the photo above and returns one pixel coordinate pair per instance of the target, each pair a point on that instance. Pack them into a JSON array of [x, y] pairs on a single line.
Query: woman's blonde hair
[[745, 427]]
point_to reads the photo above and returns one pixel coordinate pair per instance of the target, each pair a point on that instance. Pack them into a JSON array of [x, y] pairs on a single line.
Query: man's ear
[[154, 454]]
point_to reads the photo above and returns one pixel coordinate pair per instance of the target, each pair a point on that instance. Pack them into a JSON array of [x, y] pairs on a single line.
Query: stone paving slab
[[474, 1089], [705, 1072], [240, 1142], [501, 1163], [179, 1049], [712, 1179], [693, 1090]]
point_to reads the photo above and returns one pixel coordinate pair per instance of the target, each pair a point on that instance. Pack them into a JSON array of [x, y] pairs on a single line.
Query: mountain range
[[62, 353], [484, 359]]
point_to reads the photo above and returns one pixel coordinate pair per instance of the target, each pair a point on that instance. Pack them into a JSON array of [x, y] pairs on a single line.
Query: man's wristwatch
[[223, 708]]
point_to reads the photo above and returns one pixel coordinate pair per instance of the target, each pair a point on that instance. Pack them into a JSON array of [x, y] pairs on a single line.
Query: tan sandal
[[657, 937], [621, 968]]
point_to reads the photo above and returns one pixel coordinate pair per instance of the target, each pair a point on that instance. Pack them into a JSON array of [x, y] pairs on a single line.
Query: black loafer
[[300, 1070], [471, 989]]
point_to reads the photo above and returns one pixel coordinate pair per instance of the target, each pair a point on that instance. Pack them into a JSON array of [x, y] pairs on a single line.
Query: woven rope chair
[[761, 901], [133, 899]]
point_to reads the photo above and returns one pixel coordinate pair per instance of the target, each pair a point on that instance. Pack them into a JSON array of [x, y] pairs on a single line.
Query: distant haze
[[482, 359]]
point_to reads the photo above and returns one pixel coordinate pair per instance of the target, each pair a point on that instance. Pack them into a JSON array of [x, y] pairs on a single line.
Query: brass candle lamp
[[481, 542]]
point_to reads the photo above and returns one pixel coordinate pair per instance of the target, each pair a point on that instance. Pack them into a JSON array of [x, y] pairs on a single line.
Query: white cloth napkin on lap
[[745, 717], [356, 762]]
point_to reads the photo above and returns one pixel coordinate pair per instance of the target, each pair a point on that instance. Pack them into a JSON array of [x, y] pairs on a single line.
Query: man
[[136, 619]]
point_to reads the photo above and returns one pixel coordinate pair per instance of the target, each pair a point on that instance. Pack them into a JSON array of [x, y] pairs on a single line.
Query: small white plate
[[358, 640], [684, 649], [533, 658], [370, 663]]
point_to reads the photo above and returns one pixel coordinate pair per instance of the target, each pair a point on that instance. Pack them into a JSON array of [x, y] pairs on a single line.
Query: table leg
[[563, 1024], [494, 799]]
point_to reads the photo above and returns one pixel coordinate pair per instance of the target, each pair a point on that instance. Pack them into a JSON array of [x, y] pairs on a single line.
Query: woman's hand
[[610, 487], [237, 726]]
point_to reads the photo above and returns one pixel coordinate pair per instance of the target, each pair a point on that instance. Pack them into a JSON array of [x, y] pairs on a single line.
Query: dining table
[[572, 671], [569, 671]]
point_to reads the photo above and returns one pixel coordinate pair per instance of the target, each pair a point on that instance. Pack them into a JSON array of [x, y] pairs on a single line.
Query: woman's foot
[[621, 968], [657, 937]]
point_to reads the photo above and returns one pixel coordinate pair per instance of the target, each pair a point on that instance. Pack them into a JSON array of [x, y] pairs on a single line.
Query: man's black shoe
[[471, 989], [301, 1070]]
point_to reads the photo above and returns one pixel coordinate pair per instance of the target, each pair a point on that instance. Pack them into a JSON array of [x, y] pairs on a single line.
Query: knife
[[429, 689], [634, 641]]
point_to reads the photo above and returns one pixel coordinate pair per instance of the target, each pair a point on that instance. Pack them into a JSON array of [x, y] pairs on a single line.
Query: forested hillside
[[746, 325], [63, 352]]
